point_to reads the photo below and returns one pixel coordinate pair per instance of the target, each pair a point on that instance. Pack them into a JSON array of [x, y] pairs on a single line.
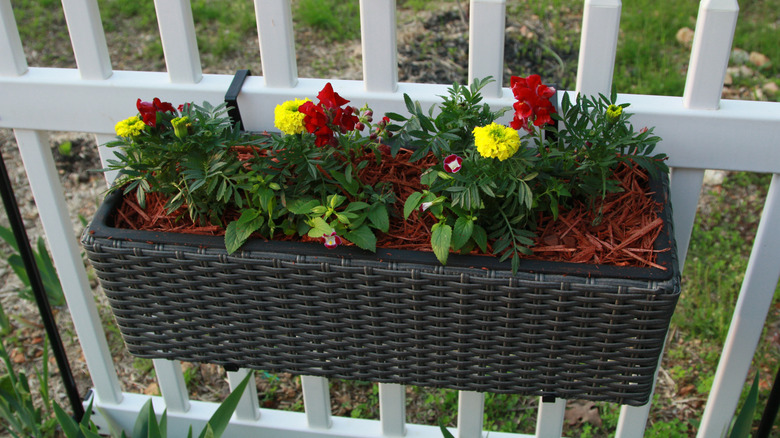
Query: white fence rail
[[700, 131]]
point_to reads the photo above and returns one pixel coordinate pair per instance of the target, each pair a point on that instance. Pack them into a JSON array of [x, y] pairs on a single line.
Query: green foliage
[[196, 167], [19, 414], [503, 185], [51, 281], [147, 425]]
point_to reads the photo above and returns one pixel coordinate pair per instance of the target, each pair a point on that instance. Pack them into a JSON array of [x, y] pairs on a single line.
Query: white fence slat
[[53, 211], [170, 379], [686, 188], [471, 409], [248, 407], [549, 419], [87, 38], [698, 139], [712, 40], [277, 44], [598, 46], [106, 154], [272, 422], [392, 409], [316, 402], [12, 59], [380, 55], [755, 297], [487, 21], [177, 33]]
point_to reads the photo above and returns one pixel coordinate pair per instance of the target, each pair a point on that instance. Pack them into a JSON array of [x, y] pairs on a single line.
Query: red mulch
[[624, 237]]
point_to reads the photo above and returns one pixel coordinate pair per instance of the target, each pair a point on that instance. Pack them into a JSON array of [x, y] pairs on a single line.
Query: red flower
[[453, 163], [533, 102], [331, 240], [148, 110], [329, 98], [328, 116]]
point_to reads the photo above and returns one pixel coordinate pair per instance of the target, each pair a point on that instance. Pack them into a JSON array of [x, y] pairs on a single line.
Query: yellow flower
[[288, 119], [130, 127], [496, 141]]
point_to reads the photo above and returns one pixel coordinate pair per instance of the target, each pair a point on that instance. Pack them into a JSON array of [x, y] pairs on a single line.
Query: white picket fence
[[700, 131]]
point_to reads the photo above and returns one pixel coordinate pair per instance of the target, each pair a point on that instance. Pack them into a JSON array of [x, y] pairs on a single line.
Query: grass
[[649, 60]]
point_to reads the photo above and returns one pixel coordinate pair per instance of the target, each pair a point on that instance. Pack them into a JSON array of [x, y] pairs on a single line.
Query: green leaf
[[8, 235], [462, 232], [141, 427], [319, 227], [441, 236], [357, 205], [238, 231], [68, 424], [379, 217], [742, 424], [411, 204], [480, 237], [444, 432], [362, 237], [302, 206], [219, 421]]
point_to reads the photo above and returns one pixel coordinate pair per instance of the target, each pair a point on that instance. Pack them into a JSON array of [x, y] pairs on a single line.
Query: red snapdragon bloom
[[148, 110], [327, 117], [533, 102]]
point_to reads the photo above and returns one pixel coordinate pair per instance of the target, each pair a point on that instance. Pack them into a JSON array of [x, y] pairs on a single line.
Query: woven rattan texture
[[466, 329]]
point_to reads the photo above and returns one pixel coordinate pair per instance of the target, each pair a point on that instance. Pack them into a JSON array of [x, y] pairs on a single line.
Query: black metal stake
[[15, 218]]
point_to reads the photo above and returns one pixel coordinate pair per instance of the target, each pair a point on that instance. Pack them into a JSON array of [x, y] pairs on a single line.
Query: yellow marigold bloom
[[288, 119], [496, 141], [130, 127]]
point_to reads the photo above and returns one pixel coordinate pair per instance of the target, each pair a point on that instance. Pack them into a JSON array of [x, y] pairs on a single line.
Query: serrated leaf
[[411, 204], [319, 228], [462, 232], [480, 237], [441, 237], [363, 238], [302, 206], [379, 217], [238, 231]]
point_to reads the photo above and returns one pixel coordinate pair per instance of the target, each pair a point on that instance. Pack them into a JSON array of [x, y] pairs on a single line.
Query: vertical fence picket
[[177, 33], [248, 407], [87, 38], [277, 44], [707, 69], [170, 379], [487, 19], [392, 409], [380, 55], [549, 420], [471, 408], [712, 40], [316, 401], [755, 297], [49, 197], [12, 59], [598, 46]]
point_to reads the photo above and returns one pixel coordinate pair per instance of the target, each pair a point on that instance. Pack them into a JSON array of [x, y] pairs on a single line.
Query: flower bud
[[613, 113], [359, 126], [180, 126]]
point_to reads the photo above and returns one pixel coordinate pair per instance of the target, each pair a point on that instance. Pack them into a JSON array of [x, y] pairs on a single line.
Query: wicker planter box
[[555, 329]]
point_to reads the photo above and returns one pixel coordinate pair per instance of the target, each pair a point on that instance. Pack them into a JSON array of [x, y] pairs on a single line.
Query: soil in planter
[[621, 232]]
